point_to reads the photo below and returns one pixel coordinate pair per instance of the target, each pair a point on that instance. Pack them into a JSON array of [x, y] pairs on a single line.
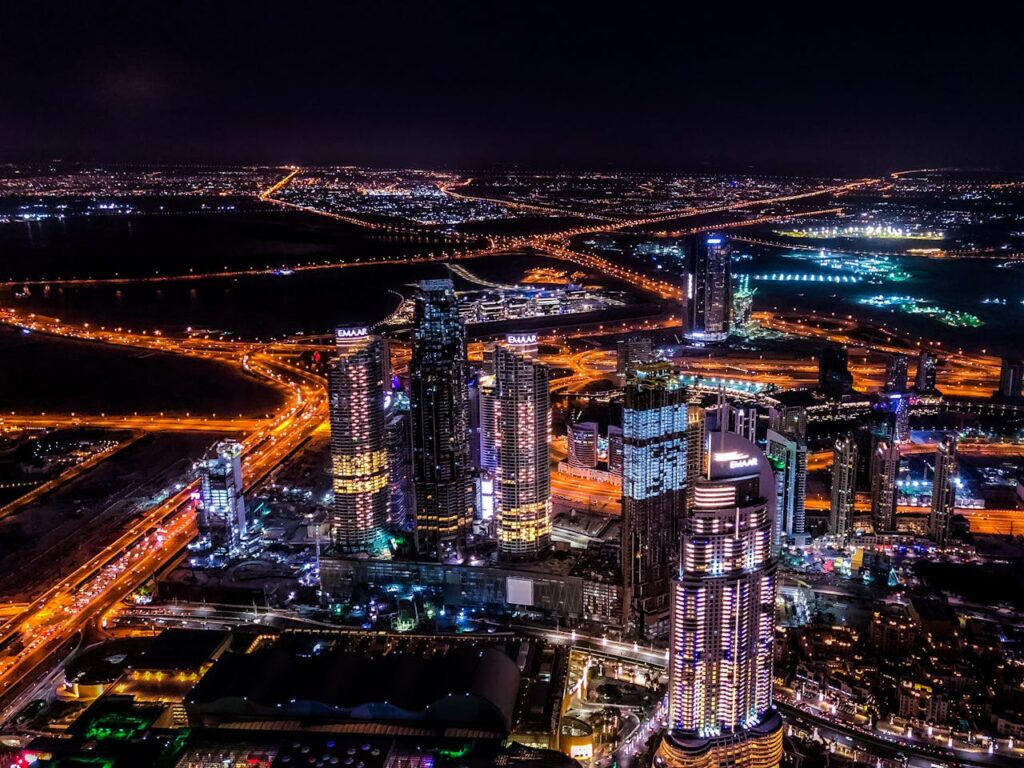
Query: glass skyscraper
[[439, 399], [654, 436], [707, 289]]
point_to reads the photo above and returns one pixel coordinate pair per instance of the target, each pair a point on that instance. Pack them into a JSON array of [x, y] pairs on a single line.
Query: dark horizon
[[463, 86]]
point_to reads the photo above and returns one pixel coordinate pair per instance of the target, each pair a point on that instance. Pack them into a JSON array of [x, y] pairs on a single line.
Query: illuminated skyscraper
[[439, 399], [844, 485], [943, 491], [399, 442], [222, 506], [696, 443], [707, 289], [582, 444], [720, 709], [789, 453], [356, 380], [834, 377], [654, 431], [896, 373], [884, 470], [632, 351], [616, 449], [924, 381], [523, 403], [1011, 379], [742, 304]]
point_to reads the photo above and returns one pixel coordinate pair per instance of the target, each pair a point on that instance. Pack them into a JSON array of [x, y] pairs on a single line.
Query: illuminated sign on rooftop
[[351, 332], [520, 339], [714, 241], [734, 459]]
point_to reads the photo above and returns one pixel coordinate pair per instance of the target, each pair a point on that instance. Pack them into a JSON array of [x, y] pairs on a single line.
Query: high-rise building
[[401, 492], [789, 453], [720, 710], [696, 443], [707, 289], [356, 382], [924, 381], [615, 450], [896, 373], [582, 438], [654, 430], [1011, 379], [221, 503], [884, 470], [632, 351], [523, 402], [487, 417], [439, 397], [834, 377], [943, 491], [742, 303], [844, 486]]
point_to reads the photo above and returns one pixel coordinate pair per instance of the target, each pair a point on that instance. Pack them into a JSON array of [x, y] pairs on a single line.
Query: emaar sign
[[354, 332], [520, 339]]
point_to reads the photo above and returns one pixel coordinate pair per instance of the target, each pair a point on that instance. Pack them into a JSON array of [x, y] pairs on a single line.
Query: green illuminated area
[[914, 306], [874, 269], [116, 727]]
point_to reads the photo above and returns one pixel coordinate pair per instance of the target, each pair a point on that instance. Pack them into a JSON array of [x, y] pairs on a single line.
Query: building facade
[[653, 491], [523, 416], [844, 486], [222, 505], [720, 710], [884, 470], [707, 289], [944, 487], [789, 453], [356, 382], [439, 399], [582, 438]]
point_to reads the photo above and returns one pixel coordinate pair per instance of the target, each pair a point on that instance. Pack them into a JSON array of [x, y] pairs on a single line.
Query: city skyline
[[458, 385]]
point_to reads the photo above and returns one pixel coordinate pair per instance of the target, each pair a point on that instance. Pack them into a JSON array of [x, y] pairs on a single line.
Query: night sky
[[831, 87]]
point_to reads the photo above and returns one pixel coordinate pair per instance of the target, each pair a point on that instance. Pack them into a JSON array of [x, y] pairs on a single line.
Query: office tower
[[487, 417], [707, 289], [654, 432], [615, 450], [943, 491], [439, 398], [884, 470], [632, 351], [789, 455], [844, 486], [742, 303], [582, 439], [356, 381], [896, 373], [696, 442], [401, 492], [834, 377], [720, 709], [1011, 379], [523, 403], [924, 381], [221, 504]]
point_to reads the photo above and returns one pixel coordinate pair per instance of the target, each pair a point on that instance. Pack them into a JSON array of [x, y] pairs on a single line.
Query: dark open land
[[41, 373]]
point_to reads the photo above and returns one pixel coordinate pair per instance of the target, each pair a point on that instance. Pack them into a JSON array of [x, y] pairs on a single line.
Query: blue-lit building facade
[[720, 709], [439, 401], [654, 469]]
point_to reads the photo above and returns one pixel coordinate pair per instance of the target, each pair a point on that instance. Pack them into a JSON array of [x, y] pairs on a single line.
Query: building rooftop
[[183, 649]]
